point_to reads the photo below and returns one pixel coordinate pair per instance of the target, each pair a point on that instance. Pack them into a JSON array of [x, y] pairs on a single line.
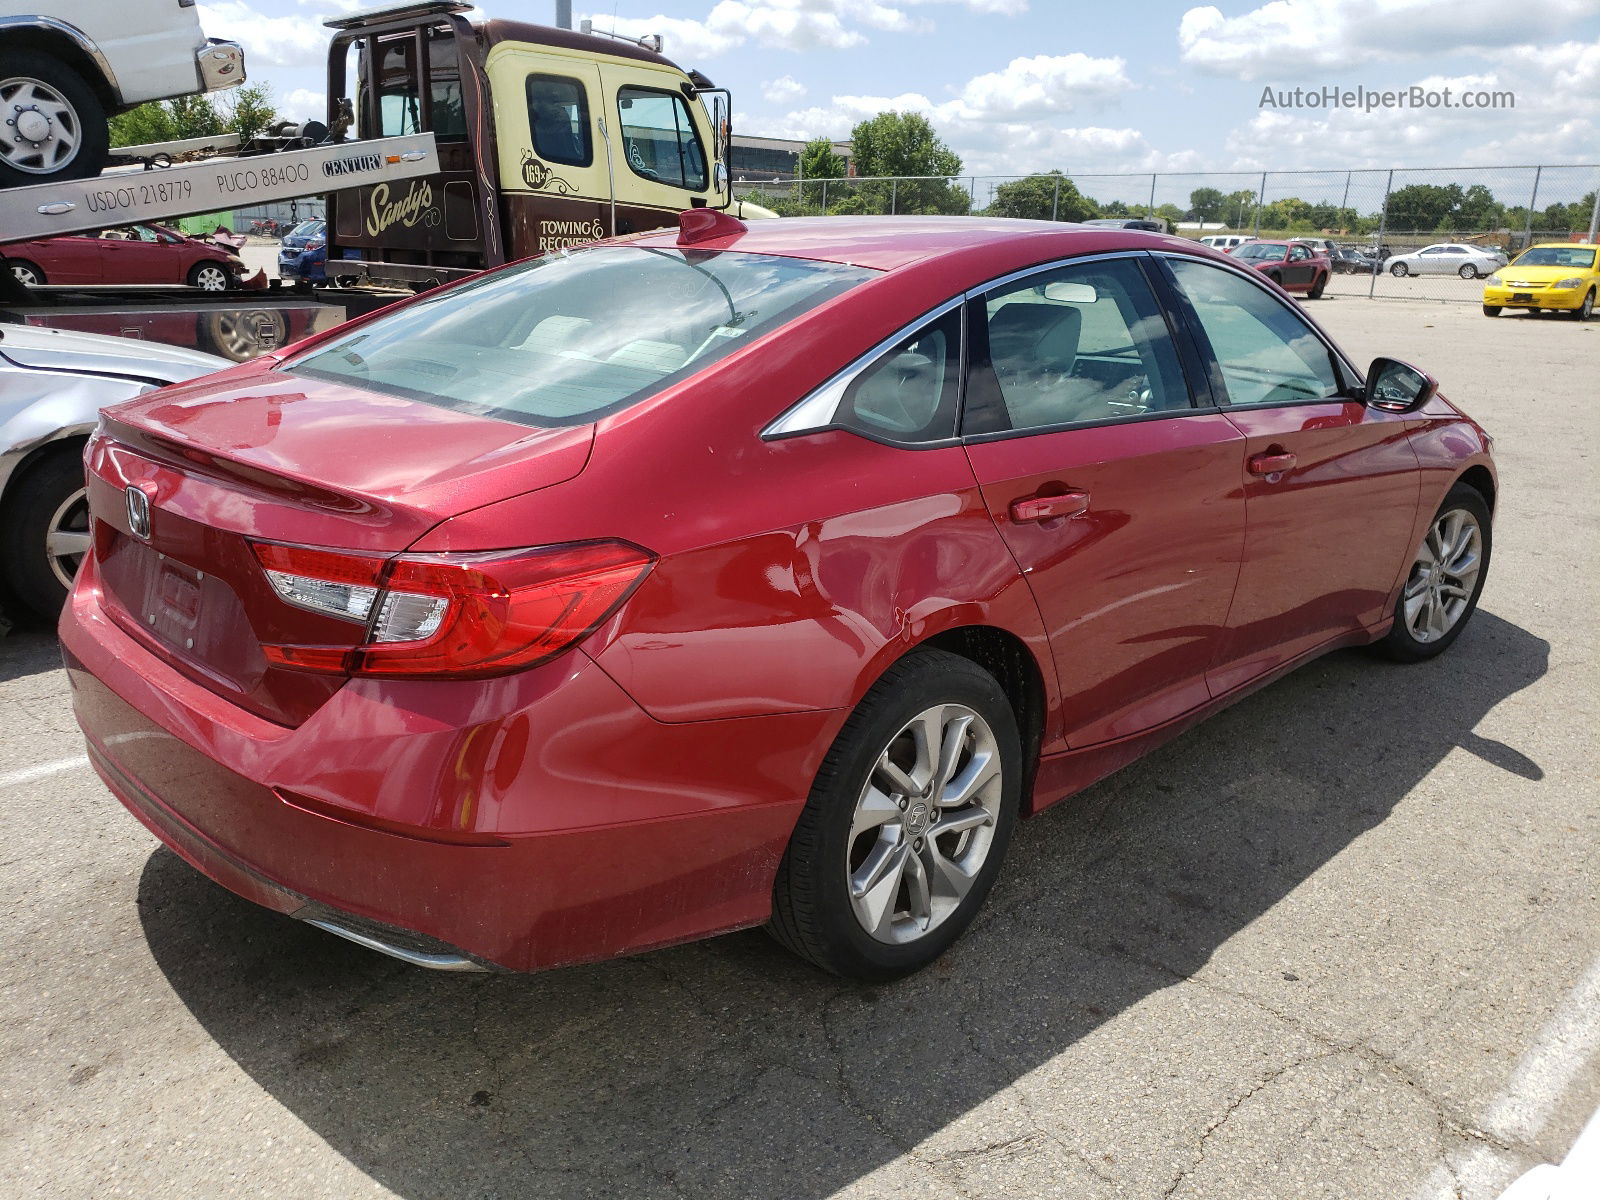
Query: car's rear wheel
[[208, 276], [1491, 310], [907, 823], [26, 273], [1318, 287], [46, 532], [1585, 310], [1468, 271], [1399, 270], [52, 125], [1447, 575]]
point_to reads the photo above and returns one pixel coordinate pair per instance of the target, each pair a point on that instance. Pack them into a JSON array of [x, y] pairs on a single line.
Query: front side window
[[1071, 345], [565, 339], [659, 138], [1267, 354], [558, 115]]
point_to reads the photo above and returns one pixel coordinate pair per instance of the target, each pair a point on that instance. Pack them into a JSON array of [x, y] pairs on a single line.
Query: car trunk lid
[[264, 457]]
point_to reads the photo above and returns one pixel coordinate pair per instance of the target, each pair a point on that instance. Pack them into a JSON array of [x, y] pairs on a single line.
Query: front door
[[1118, 496], [1331, 487]]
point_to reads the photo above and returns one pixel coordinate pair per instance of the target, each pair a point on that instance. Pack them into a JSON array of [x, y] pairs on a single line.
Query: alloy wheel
[[1444, 576], [1399, 270], [211, 279], [924, 823], [1468, 271], [24, 275], [41, 129], [67, 537]]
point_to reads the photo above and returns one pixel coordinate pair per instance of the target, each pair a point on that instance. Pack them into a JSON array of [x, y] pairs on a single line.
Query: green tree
[[818, 161], [902, 144], [1036, 198], [1207, 204], [246, 111], [1424, 206]]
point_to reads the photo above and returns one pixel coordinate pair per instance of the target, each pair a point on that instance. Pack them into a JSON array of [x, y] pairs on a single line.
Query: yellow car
[[1557, 275]]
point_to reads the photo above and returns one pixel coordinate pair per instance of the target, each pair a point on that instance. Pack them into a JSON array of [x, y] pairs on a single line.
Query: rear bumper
[[607, 832], [219, 65]]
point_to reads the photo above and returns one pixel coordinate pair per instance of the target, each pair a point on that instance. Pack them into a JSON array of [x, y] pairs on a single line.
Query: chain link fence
[[1487, 215]]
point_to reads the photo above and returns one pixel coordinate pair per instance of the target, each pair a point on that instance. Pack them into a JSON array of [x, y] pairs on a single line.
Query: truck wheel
[[52, 125], [46, 530]]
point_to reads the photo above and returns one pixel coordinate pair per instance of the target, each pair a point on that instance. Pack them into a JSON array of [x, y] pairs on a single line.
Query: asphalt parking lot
[[1341, 941]]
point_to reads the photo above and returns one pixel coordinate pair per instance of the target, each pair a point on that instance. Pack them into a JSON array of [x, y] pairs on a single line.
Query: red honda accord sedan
[[738, 576]]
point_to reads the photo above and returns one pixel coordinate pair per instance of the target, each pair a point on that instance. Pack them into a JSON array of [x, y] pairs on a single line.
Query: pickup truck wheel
[[46, 530], [52, 125], [26, 273], [209, 277]]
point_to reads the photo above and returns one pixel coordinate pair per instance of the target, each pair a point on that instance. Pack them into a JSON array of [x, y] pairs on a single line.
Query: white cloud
[[783, 90], [1291, 35], [303, 104], [1008, 8], [272, 41], [1043, 85]]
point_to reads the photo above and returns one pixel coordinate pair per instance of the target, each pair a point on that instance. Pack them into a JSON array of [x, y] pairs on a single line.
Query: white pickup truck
[[66, 65]]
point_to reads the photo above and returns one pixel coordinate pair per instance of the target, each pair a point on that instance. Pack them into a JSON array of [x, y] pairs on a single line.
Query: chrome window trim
[[820, 409], [1357, 377]]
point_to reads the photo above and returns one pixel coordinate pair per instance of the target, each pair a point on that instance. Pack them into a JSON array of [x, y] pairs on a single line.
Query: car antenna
[[703, 224]]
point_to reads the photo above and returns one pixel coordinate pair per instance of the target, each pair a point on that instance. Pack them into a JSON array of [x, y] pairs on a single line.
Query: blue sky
[[1026, 85]]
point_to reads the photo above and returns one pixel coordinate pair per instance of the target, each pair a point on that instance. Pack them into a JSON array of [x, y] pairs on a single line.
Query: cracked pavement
[[1340, 941]]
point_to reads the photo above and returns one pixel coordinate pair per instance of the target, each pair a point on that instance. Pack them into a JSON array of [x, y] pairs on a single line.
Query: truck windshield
[[567, 338]]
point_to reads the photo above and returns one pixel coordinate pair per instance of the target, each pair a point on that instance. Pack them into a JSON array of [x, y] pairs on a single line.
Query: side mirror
[[1397, 387], [719, 177]]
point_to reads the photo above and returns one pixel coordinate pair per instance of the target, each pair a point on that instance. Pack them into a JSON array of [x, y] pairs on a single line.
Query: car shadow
[[729, 1069], [29, 648]]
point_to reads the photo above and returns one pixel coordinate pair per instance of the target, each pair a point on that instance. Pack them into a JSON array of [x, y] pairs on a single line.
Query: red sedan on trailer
[[738, 576], [131, 254], [1293, 266]]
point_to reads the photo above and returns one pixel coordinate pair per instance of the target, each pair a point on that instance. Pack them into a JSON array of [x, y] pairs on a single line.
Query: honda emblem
[[138, 513]]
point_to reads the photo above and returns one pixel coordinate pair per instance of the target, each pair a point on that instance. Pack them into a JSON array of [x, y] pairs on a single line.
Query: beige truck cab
[[547, 138]]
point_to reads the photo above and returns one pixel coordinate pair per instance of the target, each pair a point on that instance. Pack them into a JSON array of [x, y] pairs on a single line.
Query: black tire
[[812, 912], [1399, 270], [1400, 644], [1585, 310], [209, 270], [1318, 287], [1491, 310], [1468, 271], [25, 272], [32, 504], [84, 107]]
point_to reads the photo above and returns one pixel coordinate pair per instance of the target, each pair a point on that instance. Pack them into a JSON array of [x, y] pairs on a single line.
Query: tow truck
[[449, 146]]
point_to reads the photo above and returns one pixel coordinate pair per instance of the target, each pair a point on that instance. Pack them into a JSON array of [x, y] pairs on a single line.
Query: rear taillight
[[451, 615]]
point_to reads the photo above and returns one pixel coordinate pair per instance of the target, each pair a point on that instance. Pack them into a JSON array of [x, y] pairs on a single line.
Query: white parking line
[[43, 771], [1541, 1077]]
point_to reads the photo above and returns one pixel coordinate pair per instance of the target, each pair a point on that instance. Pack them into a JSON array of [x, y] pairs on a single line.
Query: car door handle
[[1271, 463], [1043, 508]]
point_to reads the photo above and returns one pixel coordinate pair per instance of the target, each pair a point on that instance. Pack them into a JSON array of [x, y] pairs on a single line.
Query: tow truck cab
[[547, 138]]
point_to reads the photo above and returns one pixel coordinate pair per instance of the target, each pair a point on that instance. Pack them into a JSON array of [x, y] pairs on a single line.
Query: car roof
[[994, 245]]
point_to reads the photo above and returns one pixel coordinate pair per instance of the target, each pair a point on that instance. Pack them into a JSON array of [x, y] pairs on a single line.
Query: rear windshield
[[567, 338], [1260, 250]]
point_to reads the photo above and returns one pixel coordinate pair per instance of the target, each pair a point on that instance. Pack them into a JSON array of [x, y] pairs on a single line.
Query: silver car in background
[[1447, 258], [53, 385]]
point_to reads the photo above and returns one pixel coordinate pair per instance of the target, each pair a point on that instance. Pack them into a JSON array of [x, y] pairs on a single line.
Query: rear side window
[[909, 394], [558, 114], [567, 338], [659, 138], [1073, 345]]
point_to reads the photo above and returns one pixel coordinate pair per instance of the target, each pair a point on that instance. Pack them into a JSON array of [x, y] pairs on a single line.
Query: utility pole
[[1594, 217], [563, 14]]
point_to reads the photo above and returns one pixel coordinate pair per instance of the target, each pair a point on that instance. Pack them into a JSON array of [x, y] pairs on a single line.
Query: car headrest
[[1044, 335]]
